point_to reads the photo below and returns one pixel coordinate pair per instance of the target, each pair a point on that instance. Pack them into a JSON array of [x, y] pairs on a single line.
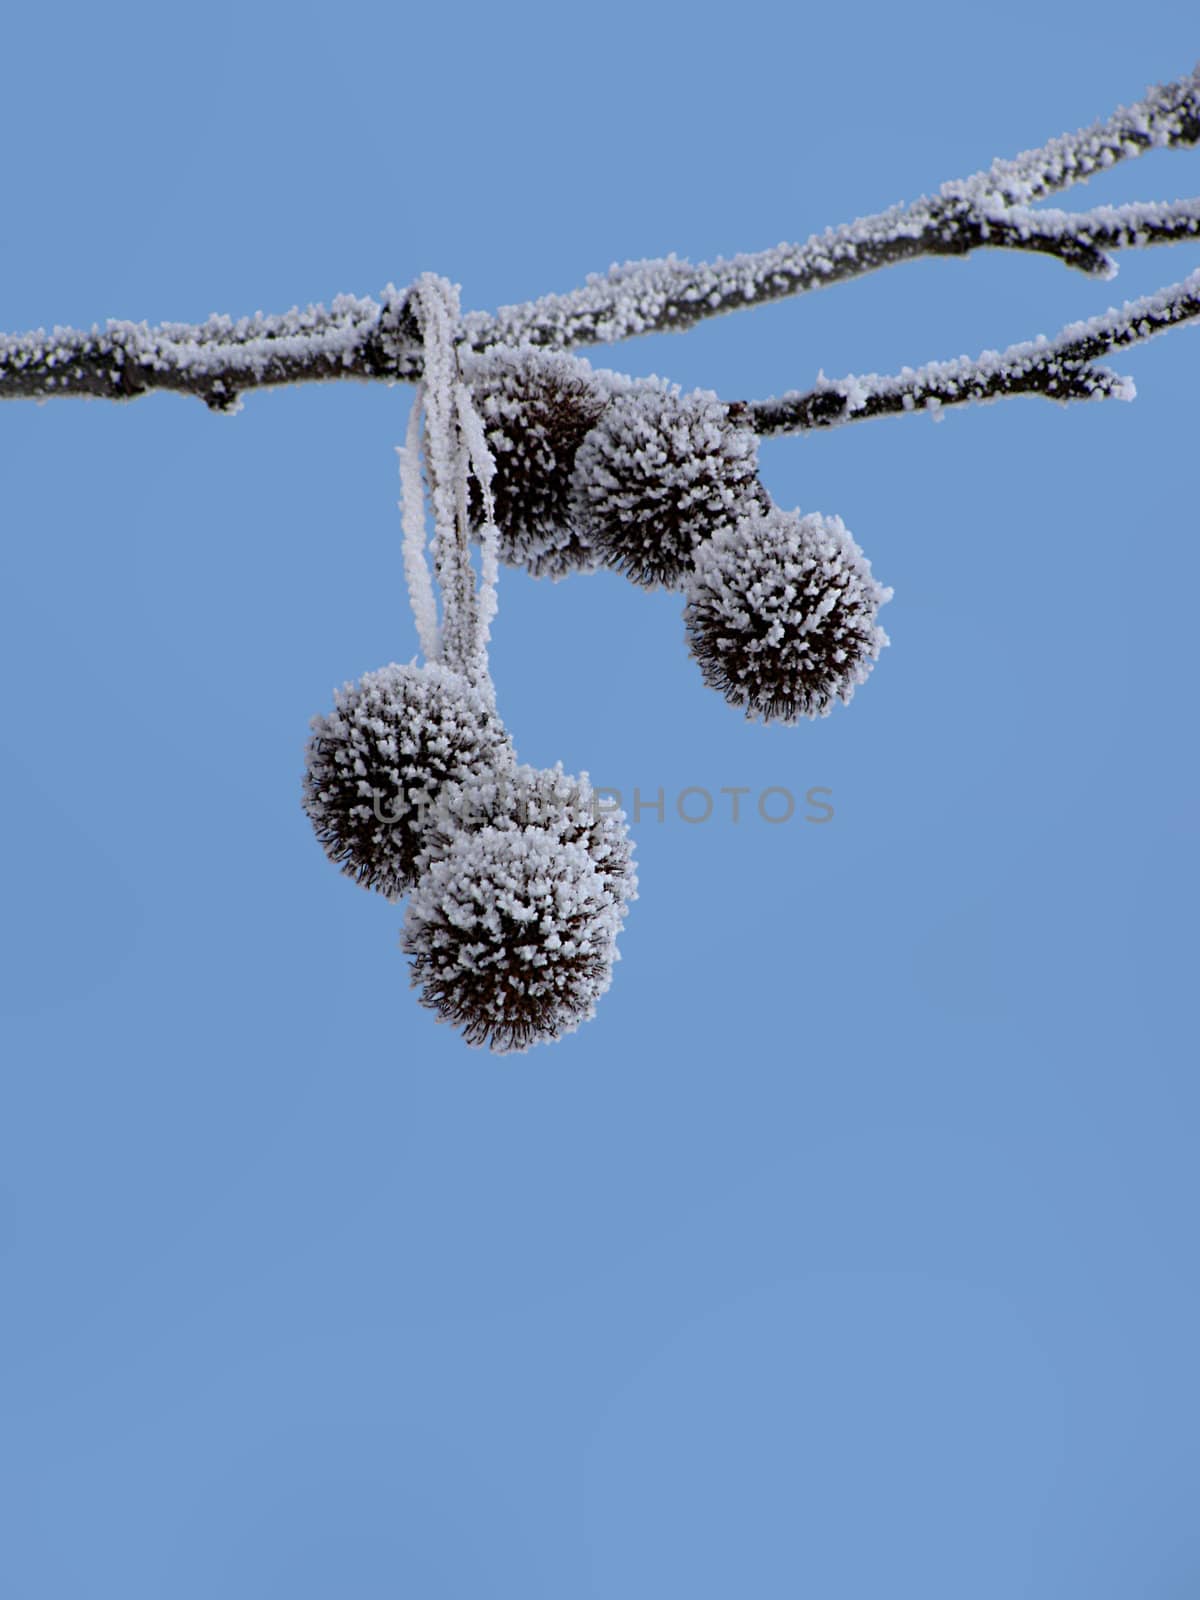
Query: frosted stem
[[484, 467], [412, 518], [455, 449]]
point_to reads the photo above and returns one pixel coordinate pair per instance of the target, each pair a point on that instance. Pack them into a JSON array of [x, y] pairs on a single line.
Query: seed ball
[[546, 798], [376, 765], [512, 934], [780, 615], [659, 474], [536, 407]]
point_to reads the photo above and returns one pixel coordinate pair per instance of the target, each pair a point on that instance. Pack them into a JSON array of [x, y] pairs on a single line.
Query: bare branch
[[217, 359], [1169, 115], [367, 339], [670, 296], [1061, 368], [987, 210]]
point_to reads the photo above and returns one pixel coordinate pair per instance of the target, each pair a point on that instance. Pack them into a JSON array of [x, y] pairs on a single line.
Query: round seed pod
[[780, 615], [512, 934], [658, 474], [547, 798], [377, 764], [536, 407]]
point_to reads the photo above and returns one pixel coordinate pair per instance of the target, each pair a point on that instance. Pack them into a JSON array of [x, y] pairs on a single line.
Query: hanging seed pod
[[658, 474], [780, 615], [549, 798], [377, 764], [524, 884], [512, 934], [536, 407]]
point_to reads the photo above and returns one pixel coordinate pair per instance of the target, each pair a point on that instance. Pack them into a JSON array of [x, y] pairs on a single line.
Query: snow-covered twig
[[215, 360], [1061, 368], [1170, 114], [366, 339]]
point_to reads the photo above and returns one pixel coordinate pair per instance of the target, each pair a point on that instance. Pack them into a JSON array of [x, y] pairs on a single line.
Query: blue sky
[[850, 1250]]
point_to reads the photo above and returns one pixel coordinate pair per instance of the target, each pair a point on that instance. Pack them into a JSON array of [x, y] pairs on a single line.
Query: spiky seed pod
[[512, 934], [546, 798], [536, 407], [376, 765], [780, 615], [658, 474]]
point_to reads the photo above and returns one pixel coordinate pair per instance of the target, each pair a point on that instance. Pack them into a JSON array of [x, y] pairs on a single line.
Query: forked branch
[[362, 338]]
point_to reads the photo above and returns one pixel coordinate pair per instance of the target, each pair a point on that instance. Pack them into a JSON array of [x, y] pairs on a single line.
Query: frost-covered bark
[[1062, 368], [367, 339]]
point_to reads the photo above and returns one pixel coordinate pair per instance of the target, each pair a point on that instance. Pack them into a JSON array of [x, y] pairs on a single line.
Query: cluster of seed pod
[[517, 880], [595, 470]]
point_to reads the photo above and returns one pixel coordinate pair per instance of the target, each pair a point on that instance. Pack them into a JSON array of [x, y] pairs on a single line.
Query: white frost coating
[[412, 519], [645, 296], [523, 885], [446, 463], [317, 338], [513, 937], [455, 449], [781, 613], [535, 407], [657, 474], [1161, 119], [1062, 368], [379, 763], [1106, 224], [522, 796], [484, 468], [362, 336]]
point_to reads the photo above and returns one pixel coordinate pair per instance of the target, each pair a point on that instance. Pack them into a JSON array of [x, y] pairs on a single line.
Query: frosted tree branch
[[1169, 115], [670, 296], [1062, 368], [367, 339]]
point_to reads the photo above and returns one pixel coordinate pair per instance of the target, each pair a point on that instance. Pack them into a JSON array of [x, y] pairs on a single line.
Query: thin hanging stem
[[483, 466], [412, 518], [456, 449]]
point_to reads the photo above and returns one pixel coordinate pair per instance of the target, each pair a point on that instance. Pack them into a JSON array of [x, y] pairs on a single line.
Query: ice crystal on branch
[[659, 473], [780, 615], [377, 765], [362, 338]]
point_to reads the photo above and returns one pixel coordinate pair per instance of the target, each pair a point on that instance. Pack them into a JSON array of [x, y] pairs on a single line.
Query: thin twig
[[1062, 368]]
